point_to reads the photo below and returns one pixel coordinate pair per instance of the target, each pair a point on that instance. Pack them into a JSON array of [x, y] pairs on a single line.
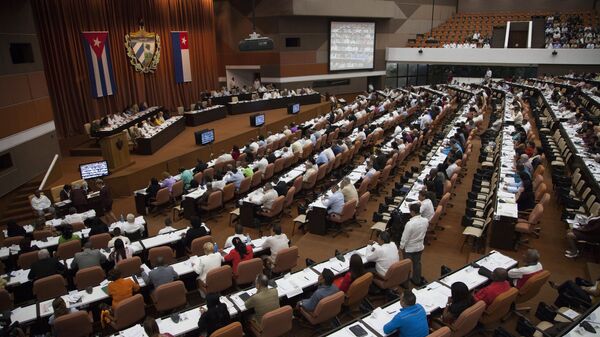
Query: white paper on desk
[[496, 260], [134, 331], [377, 319]]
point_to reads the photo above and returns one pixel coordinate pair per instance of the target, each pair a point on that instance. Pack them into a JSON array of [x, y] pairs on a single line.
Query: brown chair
[[244, 186], [341, 219], [49, 287], [272, 213], [278, 167], [25, 260], [286, 260], [209, 173], [128, 312], [228, 193], [232, 330], [78, 226], [130, 266], [177, 190], [68, 250], [363, 200], [256, 179], [215, 201], [217, 280], [327, 309], [163, 197], [274, 323], [529, 226], [364, 186], [197, 245], [397, 274], [247, 271], [165, 252], [358, 290], [441, 332], [6, 300], [269, 171], [169, 296], [14, 240], [198, 177], [89, 277], [42, 234], [501, 306], [99, 241], [532, 287], [75, 324], [289, 200], [467, 321]]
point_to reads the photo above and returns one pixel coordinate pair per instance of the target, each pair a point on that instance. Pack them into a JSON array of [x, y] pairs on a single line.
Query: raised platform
[[183, 152]]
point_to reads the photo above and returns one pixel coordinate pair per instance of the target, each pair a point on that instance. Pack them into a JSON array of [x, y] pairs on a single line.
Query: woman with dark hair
[[240, 252], [197, 231], [26, 247], [60, 309], [12, 229], [215, 316], [152, 190], [461, 300], [235, 152], [357, 269], [525, 195], [152, 330], [67, 234], [120, 252]]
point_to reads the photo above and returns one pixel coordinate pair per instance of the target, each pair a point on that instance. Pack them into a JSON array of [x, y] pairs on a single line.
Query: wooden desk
[[150, 145]]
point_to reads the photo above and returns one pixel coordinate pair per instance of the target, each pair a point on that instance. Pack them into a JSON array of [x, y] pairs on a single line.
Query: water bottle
[[216, 247]]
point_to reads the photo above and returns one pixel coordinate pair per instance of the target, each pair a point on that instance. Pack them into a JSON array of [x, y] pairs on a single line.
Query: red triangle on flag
[[96, 40]]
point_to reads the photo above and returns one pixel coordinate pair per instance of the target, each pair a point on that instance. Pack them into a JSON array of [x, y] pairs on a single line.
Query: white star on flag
[[183, 40], [96, 42]]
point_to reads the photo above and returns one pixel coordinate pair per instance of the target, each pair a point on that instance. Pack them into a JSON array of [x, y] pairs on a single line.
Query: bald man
[[498, 286]]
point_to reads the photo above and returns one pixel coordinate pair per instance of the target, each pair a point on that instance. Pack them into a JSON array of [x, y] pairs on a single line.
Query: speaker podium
[[115, 150]]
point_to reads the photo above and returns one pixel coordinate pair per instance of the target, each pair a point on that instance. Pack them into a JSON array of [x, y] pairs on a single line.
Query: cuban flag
[[181, 57], [100, 67]]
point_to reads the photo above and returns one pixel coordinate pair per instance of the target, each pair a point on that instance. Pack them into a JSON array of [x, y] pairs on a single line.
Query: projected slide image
[[351, 45]]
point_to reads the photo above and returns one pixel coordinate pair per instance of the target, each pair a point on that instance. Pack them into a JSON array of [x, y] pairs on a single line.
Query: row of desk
[[205, 115], [149, 145], [433, 296], [133, 120]]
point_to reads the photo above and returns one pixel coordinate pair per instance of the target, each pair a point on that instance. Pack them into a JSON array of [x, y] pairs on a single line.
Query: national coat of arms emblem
[[143, 49]]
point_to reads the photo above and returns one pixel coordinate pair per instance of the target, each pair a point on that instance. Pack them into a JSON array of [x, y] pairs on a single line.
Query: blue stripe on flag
[[88, 56], [101, 75], [177, 62], [112, 84]]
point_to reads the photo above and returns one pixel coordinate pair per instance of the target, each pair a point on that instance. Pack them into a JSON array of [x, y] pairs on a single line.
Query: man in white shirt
[[335, 202], [450, 170], [131, 226], [426, 209], [526, 125], [168, 228], [532, 265], [261, 164], [207, 262], [224, 157], [268, 197], [239, 233], [253, 146], [41, 204], [271, 138], [310, 170], [117, 235], [412, 239], [383, 255], [276, 242], [517, 116]]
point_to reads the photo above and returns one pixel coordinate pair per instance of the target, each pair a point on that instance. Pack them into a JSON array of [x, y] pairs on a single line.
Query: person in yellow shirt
[[120, 288]]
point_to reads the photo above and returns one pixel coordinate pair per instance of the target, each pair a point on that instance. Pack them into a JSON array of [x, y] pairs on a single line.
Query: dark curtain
[[60, 23]]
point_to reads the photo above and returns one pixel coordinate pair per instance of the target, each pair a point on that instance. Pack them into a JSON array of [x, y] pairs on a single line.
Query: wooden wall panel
[[37, 85], [20, 117], [14, 89], [303, 69]]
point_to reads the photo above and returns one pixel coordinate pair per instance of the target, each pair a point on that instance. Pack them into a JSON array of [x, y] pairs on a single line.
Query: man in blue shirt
[[326, 288], [322, 158], [411, 320], [234, 176], [335, 202]]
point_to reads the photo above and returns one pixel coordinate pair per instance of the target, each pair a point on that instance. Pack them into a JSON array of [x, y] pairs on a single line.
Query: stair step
[[19, 203], [17, 210], [19, 218]]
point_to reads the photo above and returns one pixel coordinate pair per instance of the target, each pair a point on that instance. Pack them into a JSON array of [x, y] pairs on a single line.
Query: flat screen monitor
[[351, 45], [257, 120], [93, 170], [293, 108], [204, 137]]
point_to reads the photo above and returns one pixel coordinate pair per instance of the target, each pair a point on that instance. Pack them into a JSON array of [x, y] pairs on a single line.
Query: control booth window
[[403, 74]]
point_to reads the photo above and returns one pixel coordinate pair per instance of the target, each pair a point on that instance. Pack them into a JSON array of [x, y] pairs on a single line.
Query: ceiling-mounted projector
[[256, 42]]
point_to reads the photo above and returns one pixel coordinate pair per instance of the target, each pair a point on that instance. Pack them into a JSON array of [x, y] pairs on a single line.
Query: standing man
[[488, 76], [411, 242], [41, 204]]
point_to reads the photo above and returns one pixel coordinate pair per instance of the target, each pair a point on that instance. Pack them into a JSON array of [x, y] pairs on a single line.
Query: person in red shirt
[[356, 270], [240, 252], [498, 286]]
